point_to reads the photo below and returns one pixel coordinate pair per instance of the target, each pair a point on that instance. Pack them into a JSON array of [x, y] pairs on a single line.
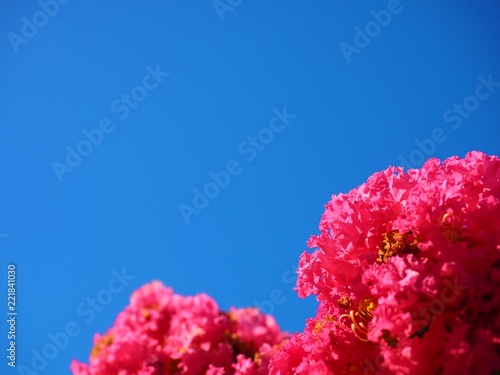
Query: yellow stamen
[[319, 325], [395, 243], [146, 311], [450, 224], [361, 318], [344, 302], [104, 342]]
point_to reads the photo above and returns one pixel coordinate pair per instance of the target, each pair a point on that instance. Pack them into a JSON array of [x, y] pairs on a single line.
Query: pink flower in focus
[[407, 273]]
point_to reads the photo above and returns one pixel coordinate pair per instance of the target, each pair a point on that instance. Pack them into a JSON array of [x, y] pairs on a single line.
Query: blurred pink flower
[[163, 333], [407, 273]]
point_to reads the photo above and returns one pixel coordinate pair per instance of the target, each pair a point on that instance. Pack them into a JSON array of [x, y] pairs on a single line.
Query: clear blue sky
[[170, 91]]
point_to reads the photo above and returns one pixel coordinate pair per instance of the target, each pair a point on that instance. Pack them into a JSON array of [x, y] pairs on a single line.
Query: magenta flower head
[[162, 333], [407, 272]]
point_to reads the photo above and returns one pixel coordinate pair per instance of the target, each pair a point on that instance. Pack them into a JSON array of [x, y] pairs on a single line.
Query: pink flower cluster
[[162, 333], [407, 272]]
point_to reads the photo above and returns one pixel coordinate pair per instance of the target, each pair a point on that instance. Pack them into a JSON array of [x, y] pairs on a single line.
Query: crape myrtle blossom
[[162, 333], [407, 272]]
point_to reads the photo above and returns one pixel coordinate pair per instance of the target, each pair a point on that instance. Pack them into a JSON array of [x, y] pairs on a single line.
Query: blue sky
[[115, 117]]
